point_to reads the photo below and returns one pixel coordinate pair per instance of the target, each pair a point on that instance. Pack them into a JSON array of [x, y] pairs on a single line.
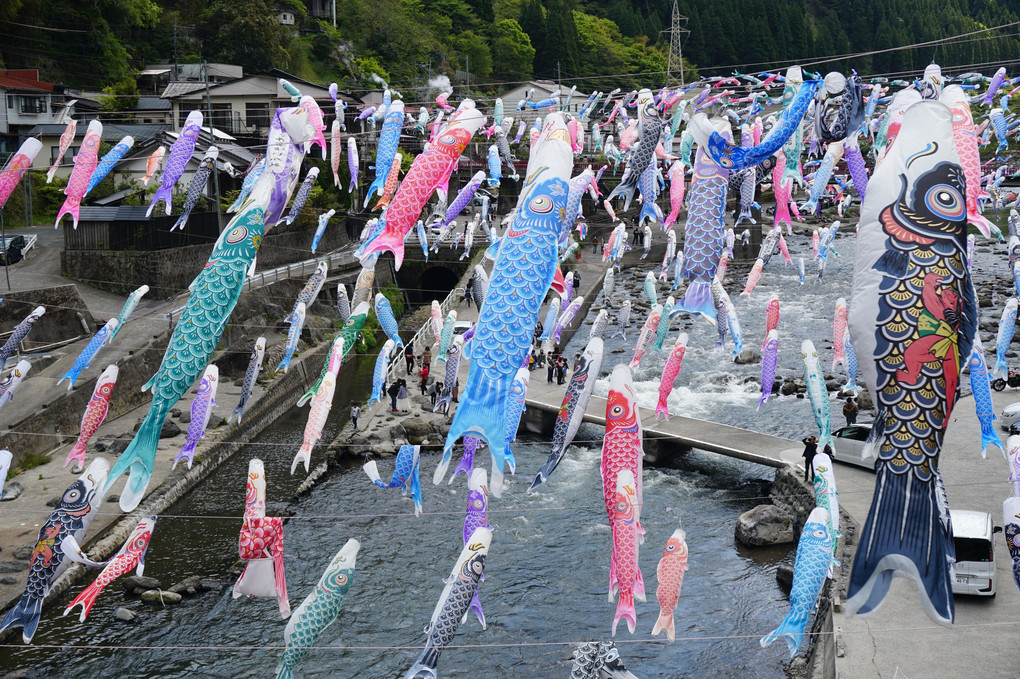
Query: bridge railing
[[397, 362], [294, 270]]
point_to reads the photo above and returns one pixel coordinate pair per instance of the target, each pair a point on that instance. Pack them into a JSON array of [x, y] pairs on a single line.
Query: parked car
[[461, 327], [974, 570], [848, 445], [1010, 415]]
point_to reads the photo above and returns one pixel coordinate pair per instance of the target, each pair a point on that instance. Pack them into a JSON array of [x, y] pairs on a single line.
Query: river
[[547, 572]]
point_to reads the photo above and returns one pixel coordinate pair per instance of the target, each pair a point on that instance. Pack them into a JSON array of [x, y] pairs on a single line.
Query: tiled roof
[[152, 104], [181, 87], [25, 80], [119, 213], [112, 132]]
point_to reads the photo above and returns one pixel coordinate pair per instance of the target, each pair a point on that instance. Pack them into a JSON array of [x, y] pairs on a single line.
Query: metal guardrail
[[280, 273], [398, 363]]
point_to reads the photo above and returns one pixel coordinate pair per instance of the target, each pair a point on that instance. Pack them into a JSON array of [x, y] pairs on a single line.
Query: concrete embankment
[[21, 516]]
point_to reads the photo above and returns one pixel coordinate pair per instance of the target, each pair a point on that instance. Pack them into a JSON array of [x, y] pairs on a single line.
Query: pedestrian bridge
[[723, 439]]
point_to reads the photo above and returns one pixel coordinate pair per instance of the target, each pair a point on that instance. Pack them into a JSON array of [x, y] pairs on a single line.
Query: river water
[[547, 571]]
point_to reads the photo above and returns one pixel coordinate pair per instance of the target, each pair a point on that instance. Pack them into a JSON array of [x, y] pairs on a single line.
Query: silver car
[[1010, 415], [848, 445]]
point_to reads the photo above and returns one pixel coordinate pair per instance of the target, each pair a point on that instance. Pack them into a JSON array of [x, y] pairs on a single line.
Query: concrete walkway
[[899, 640]]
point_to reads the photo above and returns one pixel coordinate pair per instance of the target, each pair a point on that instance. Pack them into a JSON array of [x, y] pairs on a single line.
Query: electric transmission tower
[[677, 32]]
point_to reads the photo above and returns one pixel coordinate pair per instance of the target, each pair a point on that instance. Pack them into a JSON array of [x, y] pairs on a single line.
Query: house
[[244, 107], [542, 89], [25, 102], [321, 9], [155, 77], [145, 136]]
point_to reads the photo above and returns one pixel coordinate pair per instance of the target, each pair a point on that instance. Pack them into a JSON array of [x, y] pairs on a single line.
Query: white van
[[974, 571]]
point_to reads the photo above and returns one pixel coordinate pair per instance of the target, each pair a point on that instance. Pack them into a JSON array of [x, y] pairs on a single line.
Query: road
[[899, 640]]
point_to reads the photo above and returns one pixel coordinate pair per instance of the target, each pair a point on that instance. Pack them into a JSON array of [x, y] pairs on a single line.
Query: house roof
[[120, 213], [257, 83], [152, 104], [179, 88], [112, 132], [24, 80]]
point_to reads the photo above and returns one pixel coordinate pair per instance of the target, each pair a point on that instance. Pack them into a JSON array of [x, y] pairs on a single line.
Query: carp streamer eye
[[945, 201]]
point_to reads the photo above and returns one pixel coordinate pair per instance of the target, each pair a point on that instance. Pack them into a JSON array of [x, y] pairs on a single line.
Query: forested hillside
[[103, 43]]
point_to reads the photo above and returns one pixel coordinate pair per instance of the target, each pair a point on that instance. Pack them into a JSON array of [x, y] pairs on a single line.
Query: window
[[221, 114], [68, 156], [32, 104], [256, 115]]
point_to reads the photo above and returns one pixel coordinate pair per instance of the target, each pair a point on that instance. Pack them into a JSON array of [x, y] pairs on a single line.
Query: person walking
[[469, 291], [595, 246], [810, 450], [426, 356], [355, 411], [423, 374], [433, 392], [850, 411]]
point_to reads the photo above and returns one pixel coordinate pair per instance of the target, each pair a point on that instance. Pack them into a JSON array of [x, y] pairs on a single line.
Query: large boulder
[[157, 596], [136, 584], [765, 525], [747, 356]]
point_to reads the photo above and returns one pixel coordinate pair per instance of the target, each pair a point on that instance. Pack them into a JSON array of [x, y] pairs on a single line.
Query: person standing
[[469, 290], [426, 356], [595, 246], [409, 357], [810, 450], [402, 399], [850, 411], [393, 391], [355, 411], [549, 372], [577, 278]]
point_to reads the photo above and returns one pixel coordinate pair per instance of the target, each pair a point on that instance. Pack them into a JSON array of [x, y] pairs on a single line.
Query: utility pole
[[212, 140], [559, 80], [334, 13], [173, 74], [467, 65], [677, 32]]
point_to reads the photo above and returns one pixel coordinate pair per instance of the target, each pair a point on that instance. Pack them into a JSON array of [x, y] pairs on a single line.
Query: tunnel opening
[[435, 282]]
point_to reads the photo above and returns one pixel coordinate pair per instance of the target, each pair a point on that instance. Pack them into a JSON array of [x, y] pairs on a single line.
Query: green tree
[[561, 40], [120, 96], [246, 33], [512, 53], [473, 46], [533, 23]]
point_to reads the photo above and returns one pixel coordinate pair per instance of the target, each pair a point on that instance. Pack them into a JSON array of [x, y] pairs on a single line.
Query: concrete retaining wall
[[258, 416], [168, 272], [59, 323]]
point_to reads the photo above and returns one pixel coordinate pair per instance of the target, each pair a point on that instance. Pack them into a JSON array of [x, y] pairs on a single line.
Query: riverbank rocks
[[784, 576], [124, 614], [156, 596], [190, 586], [765, 525], [137, 584], [12, 491], [416, 429], [747, 356]]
